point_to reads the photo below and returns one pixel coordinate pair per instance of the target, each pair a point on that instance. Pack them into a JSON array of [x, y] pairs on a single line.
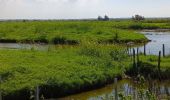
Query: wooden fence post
[[144, 49], [137, 65], [37, 93], [134, 58], [130, 53], [116, 91], [159, 62], [128, 50], [163, 50], [0, 88]]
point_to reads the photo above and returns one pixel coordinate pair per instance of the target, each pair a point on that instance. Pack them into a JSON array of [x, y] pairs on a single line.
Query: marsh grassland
[[81, 55]]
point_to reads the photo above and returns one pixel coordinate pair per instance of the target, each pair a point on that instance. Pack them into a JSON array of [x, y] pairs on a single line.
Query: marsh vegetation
[[86, 55]]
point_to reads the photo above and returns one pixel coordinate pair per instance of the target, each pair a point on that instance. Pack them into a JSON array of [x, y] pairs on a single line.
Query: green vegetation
[[63, 70], [60, 70], [152, 62], [148, 67], [73, 32], [66, 69]]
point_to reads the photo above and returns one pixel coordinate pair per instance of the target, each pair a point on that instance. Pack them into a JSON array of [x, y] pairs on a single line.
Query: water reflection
[[126, 87]]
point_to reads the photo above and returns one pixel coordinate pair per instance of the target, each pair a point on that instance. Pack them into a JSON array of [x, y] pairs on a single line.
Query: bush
[[136, 26]]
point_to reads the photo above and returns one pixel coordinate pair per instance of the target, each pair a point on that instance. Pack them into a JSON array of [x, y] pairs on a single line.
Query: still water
[[23, 46], [157, 40], [127, 87]]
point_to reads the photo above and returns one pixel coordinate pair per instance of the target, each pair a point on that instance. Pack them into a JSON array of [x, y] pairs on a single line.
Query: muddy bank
[[44, 41]]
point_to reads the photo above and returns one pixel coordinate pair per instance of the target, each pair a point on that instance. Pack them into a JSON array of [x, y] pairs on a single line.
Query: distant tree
[[24, 20], [138, 17], [106, 18], [100, 18]]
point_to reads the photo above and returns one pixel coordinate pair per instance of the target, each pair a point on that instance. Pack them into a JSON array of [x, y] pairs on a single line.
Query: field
[[72, 32], [91, 61]]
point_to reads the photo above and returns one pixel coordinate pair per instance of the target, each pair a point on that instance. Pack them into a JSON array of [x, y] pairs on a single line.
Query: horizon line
[[39, 19]]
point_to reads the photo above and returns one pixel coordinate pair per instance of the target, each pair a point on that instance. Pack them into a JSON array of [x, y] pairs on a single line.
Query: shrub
[[136, 26]]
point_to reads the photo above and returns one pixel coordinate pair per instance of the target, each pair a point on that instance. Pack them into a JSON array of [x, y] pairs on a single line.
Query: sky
[[77, 9]]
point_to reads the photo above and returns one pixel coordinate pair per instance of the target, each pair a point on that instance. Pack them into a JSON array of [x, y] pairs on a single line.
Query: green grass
[[61, 32], [77, 31], [165, 62], [148, 65], [60, 70], [64, 70]]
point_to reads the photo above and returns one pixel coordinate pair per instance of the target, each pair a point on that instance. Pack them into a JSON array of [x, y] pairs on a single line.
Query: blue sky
[[66, 9]]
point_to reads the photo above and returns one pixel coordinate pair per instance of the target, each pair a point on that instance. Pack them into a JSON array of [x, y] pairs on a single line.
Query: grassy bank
[[60, 70]]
